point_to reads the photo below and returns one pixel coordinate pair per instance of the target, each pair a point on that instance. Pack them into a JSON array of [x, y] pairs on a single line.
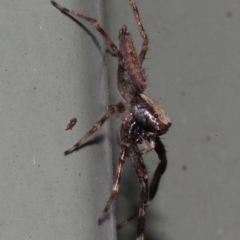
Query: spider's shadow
[[95, 140], [94, 39], [131, 187], [151, 217]]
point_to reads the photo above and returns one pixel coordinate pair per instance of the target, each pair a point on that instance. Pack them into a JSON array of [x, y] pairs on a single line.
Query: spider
[[143, 122]]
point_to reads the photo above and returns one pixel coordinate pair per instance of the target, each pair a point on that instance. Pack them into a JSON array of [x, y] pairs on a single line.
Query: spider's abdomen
[[134, 79]]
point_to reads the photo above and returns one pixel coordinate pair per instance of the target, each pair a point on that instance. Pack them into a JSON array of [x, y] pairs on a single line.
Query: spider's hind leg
[[116, 108], [116, 184], [141, 30], [96, 25]]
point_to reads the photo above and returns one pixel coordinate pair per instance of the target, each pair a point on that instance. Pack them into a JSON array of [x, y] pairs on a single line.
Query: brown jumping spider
[[143, 122]]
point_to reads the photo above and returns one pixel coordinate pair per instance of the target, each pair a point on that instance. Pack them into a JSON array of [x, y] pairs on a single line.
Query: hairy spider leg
[[116, 108], [96, 25], [115, 189], [141, 171], [141, 30], [161, 168]]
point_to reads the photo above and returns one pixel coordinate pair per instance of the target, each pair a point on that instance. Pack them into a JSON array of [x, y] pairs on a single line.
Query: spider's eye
[[155, 115]]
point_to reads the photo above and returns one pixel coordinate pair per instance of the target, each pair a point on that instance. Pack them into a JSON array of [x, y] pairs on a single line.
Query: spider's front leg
[[161, 168], [121, 161], [140, 168]]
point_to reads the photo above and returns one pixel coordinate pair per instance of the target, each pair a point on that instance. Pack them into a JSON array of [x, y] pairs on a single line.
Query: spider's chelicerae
[[143, 122]]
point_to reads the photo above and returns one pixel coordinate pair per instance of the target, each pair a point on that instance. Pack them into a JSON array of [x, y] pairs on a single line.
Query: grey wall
[[52, 69], [193, 72]]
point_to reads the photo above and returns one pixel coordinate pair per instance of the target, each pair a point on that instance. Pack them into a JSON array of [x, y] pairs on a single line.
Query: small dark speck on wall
[[229, 14]]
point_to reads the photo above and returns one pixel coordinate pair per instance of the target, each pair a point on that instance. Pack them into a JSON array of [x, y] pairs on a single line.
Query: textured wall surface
[[52, 70], [193, 72]]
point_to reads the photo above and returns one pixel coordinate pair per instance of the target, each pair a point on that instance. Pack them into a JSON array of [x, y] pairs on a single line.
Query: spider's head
[[149, 115]]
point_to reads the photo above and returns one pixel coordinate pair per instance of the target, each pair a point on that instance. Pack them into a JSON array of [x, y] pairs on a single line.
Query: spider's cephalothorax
[[149, 115], [143, 122]]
